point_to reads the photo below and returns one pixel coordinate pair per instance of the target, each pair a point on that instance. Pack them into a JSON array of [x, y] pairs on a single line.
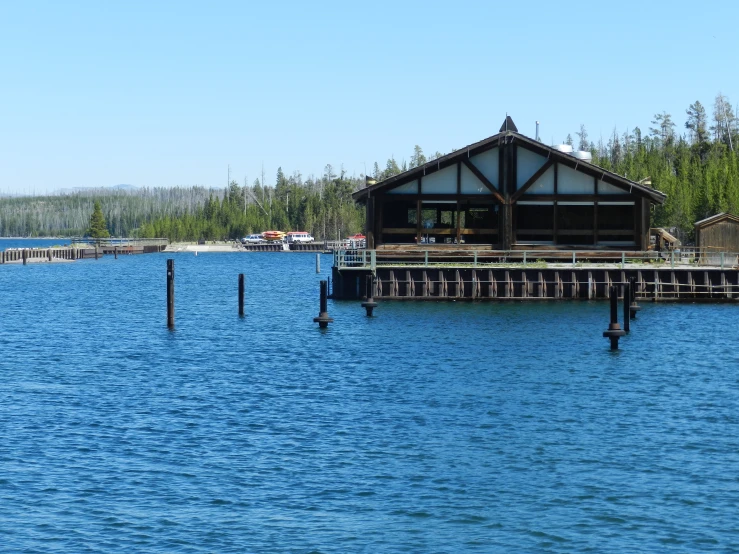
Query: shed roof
[[715, 219], [509, 136]]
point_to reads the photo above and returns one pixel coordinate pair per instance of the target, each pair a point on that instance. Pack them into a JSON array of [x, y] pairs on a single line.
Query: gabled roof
[[723, 216], [513, 137]]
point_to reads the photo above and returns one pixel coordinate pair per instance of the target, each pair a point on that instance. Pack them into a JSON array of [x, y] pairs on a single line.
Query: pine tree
[[696, 122], [97, 229]]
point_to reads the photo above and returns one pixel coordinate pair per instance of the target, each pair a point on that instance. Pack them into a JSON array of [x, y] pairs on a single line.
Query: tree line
[[697, 168]]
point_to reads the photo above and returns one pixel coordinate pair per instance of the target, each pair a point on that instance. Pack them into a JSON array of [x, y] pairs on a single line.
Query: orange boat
[[273, 235]]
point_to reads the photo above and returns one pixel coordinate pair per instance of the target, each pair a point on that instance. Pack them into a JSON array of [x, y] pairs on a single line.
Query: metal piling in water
[[323, 318], [614, 331], [241, 294], [369, 304], [170, 293]]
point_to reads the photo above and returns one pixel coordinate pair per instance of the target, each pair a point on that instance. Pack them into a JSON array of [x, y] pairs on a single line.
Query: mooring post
[[369, 304], [633, 306], [48, 253], [96, 251], [323, 319], [614, 331], [170, 293], [115, 252], [25, 256], [318, 263], [241, 294], [627, 303]]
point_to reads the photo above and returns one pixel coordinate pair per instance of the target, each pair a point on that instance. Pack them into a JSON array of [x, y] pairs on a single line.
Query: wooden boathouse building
[[509, 192], [720, 232]]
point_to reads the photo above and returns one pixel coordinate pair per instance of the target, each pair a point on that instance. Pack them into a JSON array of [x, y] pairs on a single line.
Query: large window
[[534, 222], [399, 222], [575, 222], [438, 222], [479, 223], [616, 223]]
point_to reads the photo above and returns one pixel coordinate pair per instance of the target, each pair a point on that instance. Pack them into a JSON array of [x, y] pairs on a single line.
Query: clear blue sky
[[171, 93]]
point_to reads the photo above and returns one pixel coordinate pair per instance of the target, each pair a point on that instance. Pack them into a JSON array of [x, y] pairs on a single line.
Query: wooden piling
[[170, 293], [25, 256]]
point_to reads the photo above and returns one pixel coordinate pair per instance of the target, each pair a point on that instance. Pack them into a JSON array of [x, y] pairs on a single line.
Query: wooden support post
[[25, 256], [707, 285], [115, 252], [542, 286], [524, 284], [591, 286], [241, 294], [170, 293]]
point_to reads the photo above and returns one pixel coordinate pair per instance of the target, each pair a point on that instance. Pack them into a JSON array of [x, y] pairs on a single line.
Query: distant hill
[[112, 188]]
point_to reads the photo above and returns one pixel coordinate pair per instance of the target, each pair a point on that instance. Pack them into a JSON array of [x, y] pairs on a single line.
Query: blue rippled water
[[433, 427]]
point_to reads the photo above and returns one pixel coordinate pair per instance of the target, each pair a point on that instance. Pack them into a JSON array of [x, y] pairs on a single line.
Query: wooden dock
[[472, 278], [114, 247]]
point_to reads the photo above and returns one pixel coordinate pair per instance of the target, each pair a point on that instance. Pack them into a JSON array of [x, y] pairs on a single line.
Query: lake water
[[433, 427]]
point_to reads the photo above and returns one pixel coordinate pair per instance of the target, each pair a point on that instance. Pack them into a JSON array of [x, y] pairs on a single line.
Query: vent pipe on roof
[[537, 132]]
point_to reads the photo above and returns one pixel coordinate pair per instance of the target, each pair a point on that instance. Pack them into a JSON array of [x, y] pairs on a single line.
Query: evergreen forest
[[696, 166]]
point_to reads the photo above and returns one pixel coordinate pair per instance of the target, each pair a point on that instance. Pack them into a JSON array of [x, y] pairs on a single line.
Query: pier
[[534, 275], [83, 249]]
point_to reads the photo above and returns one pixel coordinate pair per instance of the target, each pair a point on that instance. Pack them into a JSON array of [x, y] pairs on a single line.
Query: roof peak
[[508, 125]]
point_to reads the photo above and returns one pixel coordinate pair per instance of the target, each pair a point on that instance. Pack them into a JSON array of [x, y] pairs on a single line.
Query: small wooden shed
[[720, 232]]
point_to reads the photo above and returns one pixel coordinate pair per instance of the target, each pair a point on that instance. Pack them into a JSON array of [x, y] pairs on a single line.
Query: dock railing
[[687, 256]]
